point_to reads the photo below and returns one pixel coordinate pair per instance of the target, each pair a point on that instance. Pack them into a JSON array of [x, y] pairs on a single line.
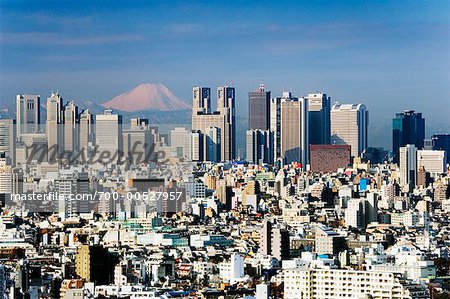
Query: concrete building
[[329, 158], [181, 138], [8, 139], [71, 127], [223, 118], [307, 283], [54, 124], [289, 122], [408, 166], [108, 135], [27, 114], [259, 109], [433, 161], [259, 146], [349, 123]]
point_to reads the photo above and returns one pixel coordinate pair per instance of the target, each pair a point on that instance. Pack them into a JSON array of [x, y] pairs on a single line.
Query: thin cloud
[[45, 38]]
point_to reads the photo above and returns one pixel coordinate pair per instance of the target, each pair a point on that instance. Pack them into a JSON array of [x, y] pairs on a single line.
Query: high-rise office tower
[[259, 109], [181, 138], [260, 146], [349, 124], [71, 135], [319, 118], [408, 166], [442, 142], [108, 134], [226, 104], [55, 137], [213, 147], [8, 139], [201, 99], [27, 113], [408, 127], [86, 129], [289, 122], [197, 145], [223, 118], [138, 143]]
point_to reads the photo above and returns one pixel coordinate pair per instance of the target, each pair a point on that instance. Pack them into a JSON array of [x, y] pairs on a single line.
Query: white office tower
[[6, 175], [27, 114], [433, 161], [196, 145], [349, 124], [213, 136], [71, 186], [55, 133], [408, 166], [138, 142], [233, 270], [71, 135], [108, 135], [289, 122], [181, 138], [259, 146], [86, 129], [8, 139]]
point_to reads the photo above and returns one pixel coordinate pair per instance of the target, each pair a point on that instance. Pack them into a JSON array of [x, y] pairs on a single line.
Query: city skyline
[[386, 50]]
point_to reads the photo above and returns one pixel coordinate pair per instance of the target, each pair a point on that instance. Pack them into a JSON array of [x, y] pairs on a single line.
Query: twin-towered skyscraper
[[216, 130]]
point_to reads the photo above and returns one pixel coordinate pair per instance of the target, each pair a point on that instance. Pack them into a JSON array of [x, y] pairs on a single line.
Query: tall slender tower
[[27, 113], [408, 127], [319, 118], [71, 136], [408, 166], [226, 105], [55, 139], [289, 122], [259, 109], [86, 129], [349, 124]]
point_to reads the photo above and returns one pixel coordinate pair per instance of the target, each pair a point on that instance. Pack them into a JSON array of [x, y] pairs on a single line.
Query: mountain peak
[[147, 96]]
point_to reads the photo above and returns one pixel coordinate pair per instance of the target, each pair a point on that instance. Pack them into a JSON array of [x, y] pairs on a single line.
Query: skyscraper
[[408, 166], [319, 118], [108, 134], [86, 129], [71, 135], [349, 124], [213, 146], [259, 146], [289, 122], [27, 113], [223, 118], [259, 109], [408, 127], [181, 138], [442, 142], [55, 137], [8, 139]]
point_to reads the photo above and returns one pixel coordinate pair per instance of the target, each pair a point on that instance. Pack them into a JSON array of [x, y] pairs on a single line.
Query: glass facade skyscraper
[[408, 127]]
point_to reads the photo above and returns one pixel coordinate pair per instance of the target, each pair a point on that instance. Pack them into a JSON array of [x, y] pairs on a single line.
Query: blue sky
[[391, 55]]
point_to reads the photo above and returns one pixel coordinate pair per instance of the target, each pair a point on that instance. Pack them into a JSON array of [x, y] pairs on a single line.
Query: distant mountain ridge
[[147, 96]]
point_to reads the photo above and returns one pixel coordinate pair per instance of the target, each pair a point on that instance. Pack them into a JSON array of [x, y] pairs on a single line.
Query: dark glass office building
[[441, 142], [259, 109], [408, 127]]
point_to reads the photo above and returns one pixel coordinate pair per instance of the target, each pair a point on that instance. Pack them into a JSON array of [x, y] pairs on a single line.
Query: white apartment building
[[303, 283], [434, 162]]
